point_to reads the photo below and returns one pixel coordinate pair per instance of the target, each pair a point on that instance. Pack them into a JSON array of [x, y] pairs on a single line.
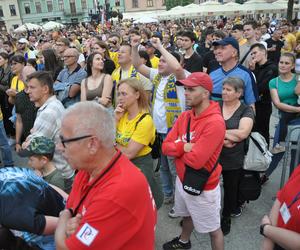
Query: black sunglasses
[[64, 141]]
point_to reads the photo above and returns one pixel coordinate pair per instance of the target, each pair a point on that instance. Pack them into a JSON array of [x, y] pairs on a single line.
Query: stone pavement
[[244, 233]]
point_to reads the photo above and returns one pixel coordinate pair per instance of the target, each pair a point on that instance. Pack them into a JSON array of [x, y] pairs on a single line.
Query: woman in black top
[[5, 79], [102, 48], [239, 122]]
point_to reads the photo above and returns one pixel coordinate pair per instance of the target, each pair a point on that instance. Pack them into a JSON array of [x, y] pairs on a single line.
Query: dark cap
[[228, 41], [38, 146], [197, 79]]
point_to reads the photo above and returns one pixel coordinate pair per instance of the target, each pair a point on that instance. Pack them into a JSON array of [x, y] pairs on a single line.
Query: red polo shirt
[[118, 212]]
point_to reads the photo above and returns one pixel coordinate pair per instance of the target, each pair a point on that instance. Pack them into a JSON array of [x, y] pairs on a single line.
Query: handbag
[[194, 180], [258, 157]]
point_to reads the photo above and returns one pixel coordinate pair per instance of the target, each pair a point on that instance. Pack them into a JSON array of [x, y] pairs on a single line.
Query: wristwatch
[[262, 227]]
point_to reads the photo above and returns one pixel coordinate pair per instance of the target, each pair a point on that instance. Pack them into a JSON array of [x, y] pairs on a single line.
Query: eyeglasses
[[68, 56], [64, 141]]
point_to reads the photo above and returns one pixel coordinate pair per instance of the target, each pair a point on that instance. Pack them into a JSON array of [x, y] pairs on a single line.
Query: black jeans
[[285, 118], [231, 179]]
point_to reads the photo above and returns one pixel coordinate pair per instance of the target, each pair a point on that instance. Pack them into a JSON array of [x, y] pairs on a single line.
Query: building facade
[[9, 15], [64, 11], [144, 5]]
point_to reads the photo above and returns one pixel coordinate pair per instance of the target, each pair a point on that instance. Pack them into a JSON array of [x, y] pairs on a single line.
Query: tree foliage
[[173, 3]]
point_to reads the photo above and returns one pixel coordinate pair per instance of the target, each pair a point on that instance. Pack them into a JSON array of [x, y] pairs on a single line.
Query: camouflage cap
[[38, 146]]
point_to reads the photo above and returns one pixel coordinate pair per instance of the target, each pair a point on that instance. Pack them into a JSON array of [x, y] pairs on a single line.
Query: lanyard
[[296, 198], [74, 212]]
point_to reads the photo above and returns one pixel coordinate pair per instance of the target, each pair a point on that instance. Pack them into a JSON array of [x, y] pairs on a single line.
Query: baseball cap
[[23, 40], [228, 41], [148, 44], [40, 145], [197, 79]]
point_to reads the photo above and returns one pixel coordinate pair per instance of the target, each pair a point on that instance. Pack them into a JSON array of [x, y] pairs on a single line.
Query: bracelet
[[262, 228]]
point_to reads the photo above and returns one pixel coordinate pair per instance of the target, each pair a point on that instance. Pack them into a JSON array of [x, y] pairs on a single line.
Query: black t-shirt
[[210, 62], [233, 158], [194, 63], [274, 55], [109, 66], [27, 110], [25, 200]]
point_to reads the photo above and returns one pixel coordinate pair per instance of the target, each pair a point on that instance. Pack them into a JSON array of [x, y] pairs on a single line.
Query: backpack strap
[[140, 119], [257, 144], [245, 56]]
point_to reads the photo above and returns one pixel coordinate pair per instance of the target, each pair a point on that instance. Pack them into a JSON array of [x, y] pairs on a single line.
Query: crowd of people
[[89, 105]]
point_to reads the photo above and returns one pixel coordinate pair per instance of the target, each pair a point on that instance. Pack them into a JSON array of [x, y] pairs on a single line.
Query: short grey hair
[[92, 117], [235, 82]]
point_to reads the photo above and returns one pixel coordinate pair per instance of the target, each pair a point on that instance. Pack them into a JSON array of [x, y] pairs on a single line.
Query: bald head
[[27, 70]]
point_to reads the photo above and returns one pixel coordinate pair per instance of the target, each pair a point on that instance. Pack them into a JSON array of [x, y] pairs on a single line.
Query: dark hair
[[9, 43], [260, 46], [145, 55], [44, 78], [219, 33], [179, 33], [147, 32], [48, 156], [190, 34], [4, 55], [115, 35], [266, 24], [18, 59], [104, 46], [52, 64], [32, 61], [252, 23], [237, 27], [64, 40], [89, 62], [134, 31]]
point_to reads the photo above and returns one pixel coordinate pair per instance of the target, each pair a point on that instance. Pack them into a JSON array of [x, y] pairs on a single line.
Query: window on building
[[49, 5], [38, 7], [27, 8], [12, 9], [135, 4], [117, 3], [1, 12], [61, 5], [149, 3], [83, 4], [73, 7], [163, 3]]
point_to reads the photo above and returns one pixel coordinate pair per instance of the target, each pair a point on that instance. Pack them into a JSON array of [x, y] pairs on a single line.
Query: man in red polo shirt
[[110, 205]]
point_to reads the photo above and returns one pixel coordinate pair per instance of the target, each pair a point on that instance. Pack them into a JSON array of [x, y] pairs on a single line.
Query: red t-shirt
[[118, 212], [290, 195]]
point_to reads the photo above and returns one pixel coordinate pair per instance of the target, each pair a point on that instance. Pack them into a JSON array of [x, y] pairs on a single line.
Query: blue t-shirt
[[25, 200], [250, 89]]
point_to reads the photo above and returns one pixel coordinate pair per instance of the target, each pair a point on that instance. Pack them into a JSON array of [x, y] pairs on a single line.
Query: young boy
[[40, 152]]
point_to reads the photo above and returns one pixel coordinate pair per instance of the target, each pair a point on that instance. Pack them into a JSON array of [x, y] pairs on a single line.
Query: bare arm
[[132, 149], [285, 238], [19, 129], [74, 90], [106, 93], [237, 135], [280, 105], [82, 91], [297, 89], [51, 223], [136, 60], [61, 229]]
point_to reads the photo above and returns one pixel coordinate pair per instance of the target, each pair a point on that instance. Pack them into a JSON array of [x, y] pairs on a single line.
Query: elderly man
[[67, 85], [110, 205]]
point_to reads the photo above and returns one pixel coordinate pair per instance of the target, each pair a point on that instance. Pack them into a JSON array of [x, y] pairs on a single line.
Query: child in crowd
[[40, 152]]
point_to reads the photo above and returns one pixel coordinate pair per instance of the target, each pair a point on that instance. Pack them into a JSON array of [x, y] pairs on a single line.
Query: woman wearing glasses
[[98, 85], [102, 48], [136, 131]]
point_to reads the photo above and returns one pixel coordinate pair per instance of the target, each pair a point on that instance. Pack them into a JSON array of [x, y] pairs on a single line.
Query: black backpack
[[249, 186]]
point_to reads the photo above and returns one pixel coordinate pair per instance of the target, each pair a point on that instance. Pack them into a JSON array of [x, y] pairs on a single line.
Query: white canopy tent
[[27, 26], [172, 13], [146, 20], [259, 6], [52, 25]]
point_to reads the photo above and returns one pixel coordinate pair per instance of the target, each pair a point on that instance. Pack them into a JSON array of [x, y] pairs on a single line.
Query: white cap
[[23, 40]]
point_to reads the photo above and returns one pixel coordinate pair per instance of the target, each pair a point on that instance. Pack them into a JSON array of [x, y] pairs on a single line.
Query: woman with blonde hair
[[135, 131]]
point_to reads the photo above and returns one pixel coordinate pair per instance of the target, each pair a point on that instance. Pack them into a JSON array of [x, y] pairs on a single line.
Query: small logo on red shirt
[[87, 234]]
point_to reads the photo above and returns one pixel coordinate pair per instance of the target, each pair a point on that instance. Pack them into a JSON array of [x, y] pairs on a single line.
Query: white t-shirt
[[159, 111]]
